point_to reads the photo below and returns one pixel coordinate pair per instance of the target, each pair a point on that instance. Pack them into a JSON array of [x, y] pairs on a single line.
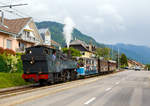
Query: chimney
[[2, 18]]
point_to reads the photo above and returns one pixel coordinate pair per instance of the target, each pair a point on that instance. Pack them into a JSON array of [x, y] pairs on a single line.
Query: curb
[[15, 88]]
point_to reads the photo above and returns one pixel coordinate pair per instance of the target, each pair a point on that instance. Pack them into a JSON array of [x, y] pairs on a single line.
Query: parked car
[[137, 68]]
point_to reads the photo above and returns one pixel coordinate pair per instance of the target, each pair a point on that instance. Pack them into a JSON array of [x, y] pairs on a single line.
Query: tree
[[123, 60], [147, 66], [103, 52], [74, 52]]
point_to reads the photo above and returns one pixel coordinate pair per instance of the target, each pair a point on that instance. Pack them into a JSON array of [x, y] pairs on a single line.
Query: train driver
[[54, 55]]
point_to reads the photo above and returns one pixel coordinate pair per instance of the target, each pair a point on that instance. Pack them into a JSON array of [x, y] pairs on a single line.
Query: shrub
[[10, 61], [3, 63], [9, 51], [74, 52], [19, 64], [1, 50]]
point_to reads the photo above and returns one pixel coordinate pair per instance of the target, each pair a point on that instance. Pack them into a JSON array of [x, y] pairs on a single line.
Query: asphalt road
[[128, 88]]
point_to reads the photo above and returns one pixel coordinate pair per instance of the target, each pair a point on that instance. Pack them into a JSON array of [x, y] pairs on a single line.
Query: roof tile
[[14, 25]]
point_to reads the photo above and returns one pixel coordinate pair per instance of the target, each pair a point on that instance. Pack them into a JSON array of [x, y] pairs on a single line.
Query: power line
[[21, 14], [12, 9], [12, 12], [8, 6]]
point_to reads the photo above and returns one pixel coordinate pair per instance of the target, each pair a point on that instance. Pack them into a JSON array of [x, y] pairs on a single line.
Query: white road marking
[[117, 83], [89, 101], [108, 89]]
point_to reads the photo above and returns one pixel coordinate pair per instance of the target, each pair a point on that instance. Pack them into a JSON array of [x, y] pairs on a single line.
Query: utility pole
[[112, 52], [118, 59]]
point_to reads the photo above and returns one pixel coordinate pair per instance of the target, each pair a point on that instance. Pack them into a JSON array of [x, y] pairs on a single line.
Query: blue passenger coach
[[87, 66]]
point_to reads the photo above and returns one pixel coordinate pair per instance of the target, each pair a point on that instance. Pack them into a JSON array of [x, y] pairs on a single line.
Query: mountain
[[56, 30], [138, 53]]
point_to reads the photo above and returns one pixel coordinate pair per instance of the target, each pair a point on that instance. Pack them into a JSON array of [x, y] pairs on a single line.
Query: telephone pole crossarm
[[10, 6]]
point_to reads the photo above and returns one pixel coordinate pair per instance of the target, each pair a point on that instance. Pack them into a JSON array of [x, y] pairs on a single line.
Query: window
[[9, 44], [26, 33], [22, 46]]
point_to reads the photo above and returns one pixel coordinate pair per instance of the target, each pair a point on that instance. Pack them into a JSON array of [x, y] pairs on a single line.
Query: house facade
[[86, 50], [132, 64], [17, 34], [46, 37]]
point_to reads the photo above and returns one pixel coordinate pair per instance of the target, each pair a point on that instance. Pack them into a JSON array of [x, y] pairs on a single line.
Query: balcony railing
[[29, 39], [20, 50]]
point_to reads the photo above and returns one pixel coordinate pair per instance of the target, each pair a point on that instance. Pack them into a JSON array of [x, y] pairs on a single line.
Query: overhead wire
[[21, 14]]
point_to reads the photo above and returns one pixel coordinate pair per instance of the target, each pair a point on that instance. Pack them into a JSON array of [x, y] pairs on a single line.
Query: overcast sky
[[108, 21]]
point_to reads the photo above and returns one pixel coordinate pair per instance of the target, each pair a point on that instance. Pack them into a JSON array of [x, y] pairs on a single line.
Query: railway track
[[16, 91], [35, 87]]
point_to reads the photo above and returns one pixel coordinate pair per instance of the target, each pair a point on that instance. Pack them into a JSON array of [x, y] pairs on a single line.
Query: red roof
[[14, 25]]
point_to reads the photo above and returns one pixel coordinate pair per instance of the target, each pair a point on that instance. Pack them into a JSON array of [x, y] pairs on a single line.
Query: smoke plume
[[67, 30]]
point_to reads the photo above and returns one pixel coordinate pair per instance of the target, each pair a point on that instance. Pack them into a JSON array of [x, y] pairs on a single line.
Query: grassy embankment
[[11, 80]]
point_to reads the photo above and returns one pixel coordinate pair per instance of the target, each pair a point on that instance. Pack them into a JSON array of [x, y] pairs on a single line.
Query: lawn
[[11, 80]]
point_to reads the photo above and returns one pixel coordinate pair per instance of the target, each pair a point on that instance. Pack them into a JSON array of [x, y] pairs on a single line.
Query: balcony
[[20, 50], [28, 38]]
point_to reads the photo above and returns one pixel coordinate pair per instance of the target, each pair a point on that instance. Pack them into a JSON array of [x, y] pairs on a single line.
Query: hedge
[[10, 61]]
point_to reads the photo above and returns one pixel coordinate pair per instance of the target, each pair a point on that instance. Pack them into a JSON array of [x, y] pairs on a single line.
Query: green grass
[[11, 80]]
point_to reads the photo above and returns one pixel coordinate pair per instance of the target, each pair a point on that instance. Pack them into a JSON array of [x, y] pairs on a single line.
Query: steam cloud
[[67, 30]]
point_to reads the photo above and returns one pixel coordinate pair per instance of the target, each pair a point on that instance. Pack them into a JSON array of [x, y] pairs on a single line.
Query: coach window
[[9, 44]]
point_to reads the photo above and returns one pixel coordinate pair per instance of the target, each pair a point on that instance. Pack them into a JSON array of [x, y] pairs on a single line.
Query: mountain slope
[[57, 33], [138, 53]]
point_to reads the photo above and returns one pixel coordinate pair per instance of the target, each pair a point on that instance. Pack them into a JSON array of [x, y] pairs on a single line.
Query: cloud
[[109, 21], [111, 17]]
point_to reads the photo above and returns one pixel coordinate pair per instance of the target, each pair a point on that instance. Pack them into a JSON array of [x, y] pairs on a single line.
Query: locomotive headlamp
[[30, 51], [32, 61]]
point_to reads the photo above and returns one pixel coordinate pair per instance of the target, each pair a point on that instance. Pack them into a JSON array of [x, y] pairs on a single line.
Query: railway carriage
[[103, 66], [87, 66], [112, 65]]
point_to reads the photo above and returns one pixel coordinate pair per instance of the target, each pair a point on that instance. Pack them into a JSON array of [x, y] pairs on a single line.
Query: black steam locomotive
[[43, 64]]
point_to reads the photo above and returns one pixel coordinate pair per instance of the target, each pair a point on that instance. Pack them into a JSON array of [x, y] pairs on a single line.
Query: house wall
[[15, 42], [48, 38], [36, 33], [3, 41], [87, 54]]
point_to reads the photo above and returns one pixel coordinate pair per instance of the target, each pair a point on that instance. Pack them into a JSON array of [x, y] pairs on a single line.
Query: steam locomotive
[[47, 65]]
